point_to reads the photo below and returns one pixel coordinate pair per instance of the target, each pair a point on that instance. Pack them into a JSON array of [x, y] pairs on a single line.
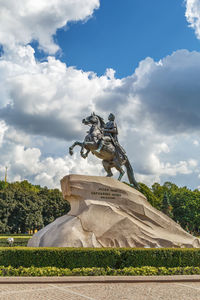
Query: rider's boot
[[100, 147]]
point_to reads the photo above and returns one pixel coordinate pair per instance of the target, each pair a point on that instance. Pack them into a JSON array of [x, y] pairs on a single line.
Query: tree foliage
[[180, 203], [25, 207], [153, 199]]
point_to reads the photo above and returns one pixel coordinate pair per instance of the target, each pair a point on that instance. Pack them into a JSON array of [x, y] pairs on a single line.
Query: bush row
[[25, 237], [116, 258], [6, 235], [131, 271], [18, 241]]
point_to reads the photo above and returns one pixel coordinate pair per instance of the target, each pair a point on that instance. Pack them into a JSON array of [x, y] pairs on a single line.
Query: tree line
[[25, 207], [179, 203]]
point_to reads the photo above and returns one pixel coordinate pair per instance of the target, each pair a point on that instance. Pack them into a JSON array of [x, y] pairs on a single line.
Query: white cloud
[[193, 15], [193, 163], [42, 103], [24, 21], [3, 129], [169, 92], [49, 99], [182, 167], [196, 143], [17, 136], [28, 163]]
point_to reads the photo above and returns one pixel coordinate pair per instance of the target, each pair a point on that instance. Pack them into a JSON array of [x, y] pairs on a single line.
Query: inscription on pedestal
[[107, 193]]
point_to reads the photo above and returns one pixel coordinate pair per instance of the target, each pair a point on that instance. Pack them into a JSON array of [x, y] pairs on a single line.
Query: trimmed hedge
[[58, 257], [18, 240], [16, 235], [53, 271], [163, 257], [116, 258]]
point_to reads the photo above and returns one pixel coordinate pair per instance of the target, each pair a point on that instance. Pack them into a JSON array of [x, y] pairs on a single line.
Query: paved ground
[[178, 290]]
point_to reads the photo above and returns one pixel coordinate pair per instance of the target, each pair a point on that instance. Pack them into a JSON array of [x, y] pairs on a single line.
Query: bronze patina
[[103, 142]]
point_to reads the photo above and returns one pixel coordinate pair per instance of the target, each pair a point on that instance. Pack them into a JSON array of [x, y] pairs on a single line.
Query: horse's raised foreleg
[[74, 145], [84, 155]]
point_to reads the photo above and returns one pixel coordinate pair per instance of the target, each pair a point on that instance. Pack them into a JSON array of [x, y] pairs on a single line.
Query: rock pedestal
[[107, 213]]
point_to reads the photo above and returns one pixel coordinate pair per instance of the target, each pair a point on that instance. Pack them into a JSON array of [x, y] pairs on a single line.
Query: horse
[[110, 155]]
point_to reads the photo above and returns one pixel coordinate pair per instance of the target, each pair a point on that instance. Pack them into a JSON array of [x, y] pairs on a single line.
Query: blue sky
[[124, 32]]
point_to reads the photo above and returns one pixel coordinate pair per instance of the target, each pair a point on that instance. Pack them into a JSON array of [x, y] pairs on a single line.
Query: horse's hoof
[[109, 175]]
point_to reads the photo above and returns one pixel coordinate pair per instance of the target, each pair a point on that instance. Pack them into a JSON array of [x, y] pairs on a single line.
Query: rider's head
[[111, 117]]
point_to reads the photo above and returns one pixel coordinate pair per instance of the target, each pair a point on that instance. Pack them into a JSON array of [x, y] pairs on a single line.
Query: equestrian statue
[[102, 141]]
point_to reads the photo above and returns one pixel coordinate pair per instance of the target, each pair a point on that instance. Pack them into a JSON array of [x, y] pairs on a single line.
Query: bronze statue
[[110, 132], [102, 141]]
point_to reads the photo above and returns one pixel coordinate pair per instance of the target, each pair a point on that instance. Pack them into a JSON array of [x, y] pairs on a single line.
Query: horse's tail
[[130, 174]]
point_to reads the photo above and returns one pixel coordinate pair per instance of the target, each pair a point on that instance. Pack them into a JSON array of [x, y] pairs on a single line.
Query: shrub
[[18, 240], [131, 271], [115, 258], [162, 257], [58, 257]]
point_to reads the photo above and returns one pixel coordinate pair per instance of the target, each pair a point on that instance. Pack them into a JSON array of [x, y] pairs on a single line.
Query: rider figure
[[110, 133]]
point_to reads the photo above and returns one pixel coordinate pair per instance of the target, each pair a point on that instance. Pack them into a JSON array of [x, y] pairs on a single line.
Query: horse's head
[[91, 120]]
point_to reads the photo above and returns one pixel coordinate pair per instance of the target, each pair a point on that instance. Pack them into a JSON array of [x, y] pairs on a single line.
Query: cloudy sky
[[62, 59]]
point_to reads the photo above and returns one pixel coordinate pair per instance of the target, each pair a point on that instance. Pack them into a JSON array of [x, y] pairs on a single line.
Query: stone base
[[108, 213]]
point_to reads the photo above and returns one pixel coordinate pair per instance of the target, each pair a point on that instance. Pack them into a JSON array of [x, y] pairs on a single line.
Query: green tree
[[25, 207], [54, 205], [153, 200], [7, 205], [166, 206], [186, 208], [27, 203], [168, 187]]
